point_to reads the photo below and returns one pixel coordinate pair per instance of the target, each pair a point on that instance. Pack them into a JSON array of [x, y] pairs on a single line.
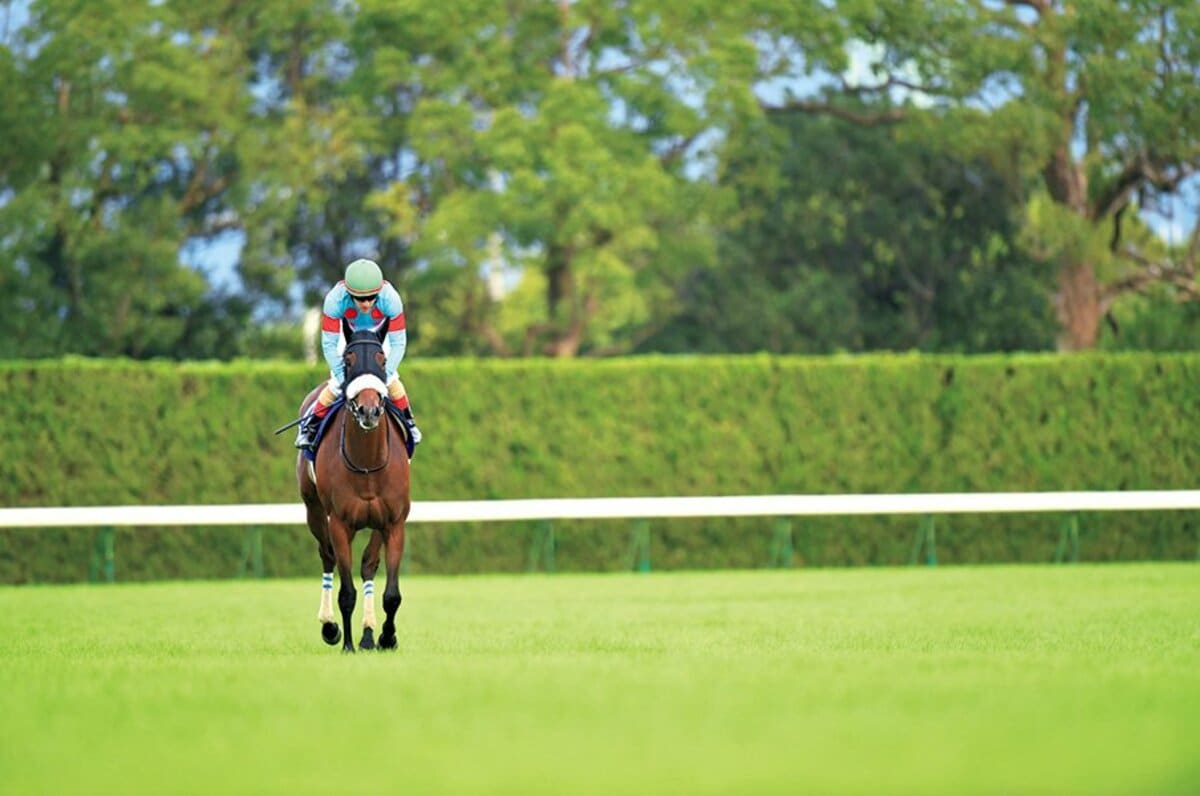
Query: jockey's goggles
[[366, 299]]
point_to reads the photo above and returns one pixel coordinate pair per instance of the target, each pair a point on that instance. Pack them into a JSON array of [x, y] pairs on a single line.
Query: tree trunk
[[1079, 307], [566, 327], [566, 345], [1078, 301]]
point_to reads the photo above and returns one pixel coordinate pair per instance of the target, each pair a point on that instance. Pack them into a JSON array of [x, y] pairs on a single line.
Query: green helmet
[[363, 278]]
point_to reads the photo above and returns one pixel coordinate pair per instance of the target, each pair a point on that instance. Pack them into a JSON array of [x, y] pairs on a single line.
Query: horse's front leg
[[370, 564], [330, 632], [391, 593], [339, 536]]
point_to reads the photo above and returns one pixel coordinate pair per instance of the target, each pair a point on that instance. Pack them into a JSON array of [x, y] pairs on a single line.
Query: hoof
[[367, 642], [387, 641], [347, 649], [330, 633]]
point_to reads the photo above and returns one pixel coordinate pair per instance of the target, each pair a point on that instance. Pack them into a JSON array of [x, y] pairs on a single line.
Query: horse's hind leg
[[339, 536], [370, 563], [391, 593]]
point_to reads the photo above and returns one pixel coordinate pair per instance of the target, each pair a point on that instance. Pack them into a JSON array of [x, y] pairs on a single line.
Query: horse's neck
[[367, 448]]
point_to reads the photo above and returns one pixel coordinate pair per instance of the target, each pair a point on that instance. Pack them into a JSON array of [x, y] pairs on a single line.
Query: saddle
[[327, 422]]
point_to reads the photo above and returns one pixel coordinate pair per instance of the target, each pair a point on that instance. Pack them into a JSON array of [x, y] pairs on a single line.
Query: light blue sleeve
[[393, 308], [331, 330]]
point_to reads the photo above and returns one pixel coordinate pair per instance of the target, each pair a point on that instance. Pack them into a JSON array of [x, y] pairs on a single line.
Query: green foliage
[[853, 238], [599, 157], [157, 433], [1141, 323], [1091, 102], [538, 159]]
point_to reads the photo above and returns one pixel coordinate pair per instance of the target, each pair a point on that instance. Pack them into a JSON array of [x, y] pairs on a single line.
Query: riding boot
[[307, 433], [412, 425]]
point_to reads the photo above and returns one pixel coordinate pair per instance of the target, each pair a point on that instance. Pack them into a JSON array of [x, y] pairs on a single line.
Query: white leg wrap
[[325, 612], [369, 604]]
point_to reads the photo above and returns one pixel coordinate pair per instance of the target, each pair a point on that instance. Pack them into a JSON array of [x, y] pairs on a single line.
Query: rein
[[387, 451]]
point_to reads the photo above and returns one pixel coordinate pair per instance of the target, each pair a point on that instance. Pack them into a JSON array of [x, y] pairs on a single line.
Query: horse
[[359, 478]]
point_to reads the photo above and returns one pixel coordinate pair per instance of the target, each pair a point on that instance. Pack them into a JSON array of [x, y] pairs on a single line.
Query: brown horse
[[358, 479]]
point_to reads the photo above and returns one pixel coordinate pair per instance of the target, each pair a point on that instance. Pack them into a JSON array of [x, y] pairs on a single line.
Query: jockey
[[364, 300]]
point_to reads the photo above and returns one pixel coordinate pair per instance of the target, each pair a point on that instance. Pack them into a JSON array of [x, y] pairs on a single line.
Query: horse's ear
[[346, 330], [381, 332]]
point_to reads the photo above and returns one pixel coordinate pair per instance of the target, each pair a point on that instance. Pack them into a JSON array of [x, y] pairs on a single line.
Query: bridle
[[367, 366]]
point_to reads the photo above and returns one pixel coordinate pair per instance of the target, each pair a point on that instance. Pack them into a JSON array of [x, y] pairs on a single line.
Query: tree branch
[[1039, 6], [1115, 198], [1114, 243], [1181, 276], [211, 228], [891, 82], [630, 341], [494, 340], [1141, 170], [863, 118], [676, 150]]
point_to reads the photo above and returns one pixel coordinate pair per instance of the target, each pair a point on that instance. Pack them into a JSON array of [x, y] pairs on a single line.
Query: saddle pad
[[334, 408], [392, 410], [402, 422]]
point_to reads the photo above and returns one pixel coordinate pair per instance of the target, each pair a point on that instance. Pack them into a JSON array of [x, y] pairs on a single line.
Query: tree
[[135, 132], [308, 152], [540, 176], [851, 238], [108, 157], [1097, 101], [550, 142]]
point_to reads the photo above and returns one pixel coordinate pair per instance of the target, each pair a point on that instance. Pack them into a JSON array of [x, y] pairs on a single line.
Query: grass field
[[1002, 680]]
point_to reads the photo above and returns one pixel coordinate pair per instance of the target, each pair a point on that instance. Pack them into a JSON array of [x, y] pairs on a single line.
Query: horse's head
[[365, 373]]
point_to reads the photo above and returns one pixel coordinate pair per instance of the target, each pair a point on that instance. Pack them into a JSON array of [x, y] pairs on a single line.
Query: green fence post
[[639, 547], [541, 547], [804, 546], [782, 552], [1075, 539], [104, 556], [925, 538], [94, 558], [1068, 538], [931, 553], [550, 548], [252, 553]]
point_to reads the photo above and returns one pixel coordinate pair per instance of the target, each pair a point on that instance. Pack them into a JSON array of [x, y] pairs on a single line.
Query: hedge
[[96, 432]]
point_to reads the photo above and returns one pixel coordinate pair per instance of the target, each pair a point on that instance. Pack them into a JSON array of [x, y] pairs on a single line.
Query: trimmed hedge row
[[86, 432]]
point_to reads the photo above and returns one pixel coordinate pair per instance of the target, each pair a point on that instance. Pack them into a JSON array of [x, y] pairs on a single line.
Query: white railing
[[624, 507], [639, 509]]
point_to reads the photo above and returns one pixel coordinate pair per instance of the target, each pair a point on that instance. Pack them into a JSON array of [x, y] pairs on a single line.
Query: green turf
[[999, 680]]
